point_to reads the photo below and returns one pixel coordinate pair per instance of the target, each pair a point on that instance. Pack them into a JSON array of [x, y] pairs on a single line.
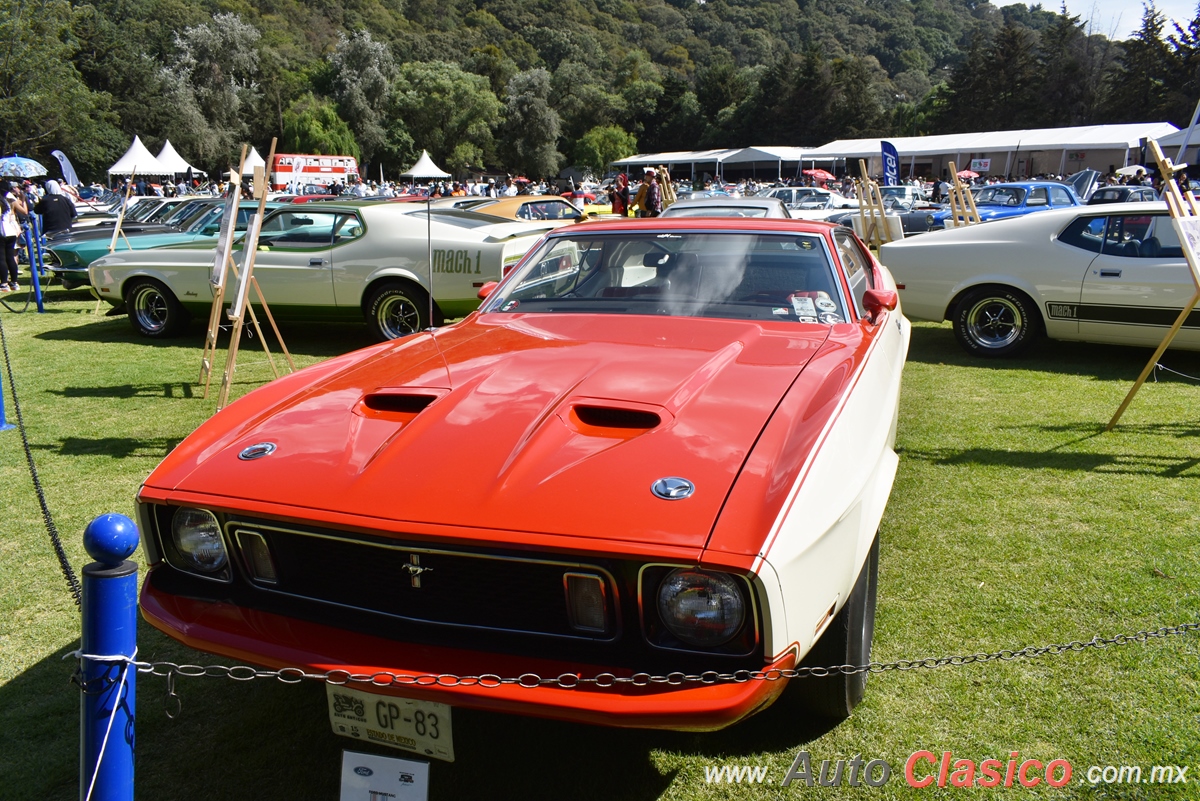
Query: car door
[[294, 261], [1138, 284]]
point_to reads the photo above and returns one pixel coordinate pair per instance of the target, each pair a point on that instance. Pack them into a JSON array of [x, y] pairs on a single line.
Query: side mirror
[[875, 301], [487, 289]]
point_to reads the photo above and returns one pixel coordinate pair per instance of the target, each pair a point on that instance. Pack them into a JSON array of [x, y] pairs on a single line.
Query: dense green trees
[[534, 85]]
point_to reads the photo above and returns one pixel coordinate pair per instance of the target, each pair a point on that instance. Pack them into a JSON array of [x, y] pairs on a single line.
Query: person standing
[[620, 195], [11, 204], [57, 210]]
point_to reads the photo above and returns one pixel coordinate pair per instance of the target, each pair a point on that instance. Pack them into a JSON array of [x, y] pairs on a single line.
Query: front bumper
[[275, 641]]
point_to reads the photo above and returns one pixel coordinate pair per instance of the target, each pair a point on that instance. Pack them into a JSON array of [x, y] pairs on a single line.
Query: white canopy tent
[[138, 158], [171, 161], [253, 160], [1058, 150]]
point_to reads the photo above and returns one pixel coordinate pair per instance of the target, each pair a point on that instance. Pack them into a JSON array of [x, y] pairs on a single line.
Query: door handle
[[321, 263], [1110, 273]]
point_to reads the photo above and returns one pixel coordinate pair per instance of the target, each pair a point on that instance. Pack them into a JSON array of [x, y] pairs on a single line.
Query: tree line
[[535, 85]]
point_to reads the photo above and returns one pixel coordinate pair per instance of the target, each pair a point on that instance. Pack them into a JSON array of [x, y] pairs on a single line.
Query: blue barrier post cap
[[110, 539]]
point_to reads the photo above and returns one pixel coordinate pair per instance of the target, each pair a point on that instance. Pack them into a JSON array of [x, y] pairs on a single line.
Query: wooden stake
[[1182, 206], [962, 203], [245, 281]]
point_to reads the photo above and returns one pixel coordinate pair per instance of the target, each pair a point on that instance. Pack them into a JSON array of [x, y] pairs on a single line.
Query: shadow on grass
[[320, 340], [1167, 466], [933, 344], [182, 390], [114, 447]]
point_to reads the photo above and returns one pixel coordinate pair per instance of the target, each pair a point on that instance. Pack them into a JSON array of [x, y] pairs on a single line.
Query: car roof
[[719, 224]]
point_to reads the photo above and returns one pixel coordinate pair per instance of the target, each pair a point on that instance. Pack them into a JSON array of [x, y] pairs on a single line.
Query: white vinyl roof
[[1083, 137]]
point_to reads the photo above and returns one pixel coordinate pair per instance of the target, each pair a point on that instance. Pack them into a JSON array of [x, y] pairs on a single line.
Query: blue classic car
[[998, 201]]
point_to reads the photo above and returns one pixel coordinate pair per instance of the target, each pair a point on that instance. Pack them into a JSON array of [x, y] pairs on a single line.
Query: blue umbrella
[[19, 167]]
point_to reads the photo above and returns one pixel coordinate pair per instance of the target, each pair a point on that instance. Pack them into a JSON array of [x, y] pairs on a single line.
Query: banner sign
[[981, 165], [891, 164]]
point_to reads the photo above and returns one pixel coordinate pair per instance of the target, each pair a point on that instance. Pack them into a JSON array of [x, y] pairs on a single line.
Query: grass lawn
[[1015, 520]]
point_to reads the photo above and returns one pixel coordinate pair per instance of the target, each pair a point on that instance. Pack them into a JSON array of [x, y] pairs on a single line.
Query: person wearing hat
[[57, 210], [491, 188], [649, 197]]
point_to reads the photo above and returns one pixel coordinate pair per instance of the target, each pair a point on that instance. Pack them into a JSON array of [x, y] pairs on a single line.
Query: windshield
[[715, 210], [1000, 196], [163, 212], [732, 275]]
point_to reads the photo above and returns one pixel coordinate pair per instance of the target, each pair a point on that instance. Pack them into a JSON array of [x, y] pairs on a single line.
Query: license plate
[[418, 727]]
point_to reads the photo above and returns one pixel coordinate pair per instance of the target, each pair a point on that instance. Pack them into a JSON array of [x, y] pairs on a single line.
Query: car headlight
[[197, 537], [929, 219], [701, 608]]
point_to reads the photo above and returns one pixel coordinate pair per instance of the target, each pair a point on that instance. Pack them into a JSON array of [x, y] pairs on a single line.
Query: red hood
[[511, 439]]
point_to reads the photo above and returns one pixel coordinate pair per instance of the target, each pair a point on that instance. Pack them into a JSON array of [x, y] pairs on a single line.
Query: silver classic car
[[332, 261]]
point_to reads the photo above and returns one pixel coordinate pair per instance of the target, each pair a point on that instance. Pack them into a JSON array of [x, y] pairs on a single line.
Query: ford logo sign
[[257, 451], [673, 488], [364, 771]]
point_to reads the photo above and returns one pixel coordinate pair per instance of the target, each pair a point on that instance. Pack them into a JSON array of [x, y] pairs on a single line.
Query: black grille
[[441, 587]]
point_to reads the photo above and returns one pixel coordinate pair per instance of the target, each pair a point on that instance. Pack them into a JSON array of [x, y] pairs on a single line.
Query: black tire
[[995, 322], [847, 641], [396, 309], [153, 310]]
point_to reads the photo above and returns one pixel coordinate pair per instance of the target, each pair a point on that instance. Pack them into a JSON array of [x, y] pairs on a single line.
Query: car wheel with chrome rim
[[397, 309], [995, 322], [154, 310]]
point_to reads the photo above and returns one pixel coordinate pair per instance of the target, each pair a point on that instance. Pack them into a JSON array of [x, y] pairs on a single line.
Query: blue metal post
[[109, 629], [34, 251]]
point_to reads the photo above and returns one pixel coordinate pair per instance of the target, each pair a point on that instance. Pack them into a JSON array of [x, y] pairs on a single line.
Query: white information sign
[[369, 777], [249, 246], [1188, 229], [420, 727]]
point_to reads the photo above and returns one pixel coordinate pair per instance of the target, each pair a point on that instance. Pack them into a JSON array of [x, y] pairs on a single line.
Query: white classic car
[[1113, 274], [332, 261]]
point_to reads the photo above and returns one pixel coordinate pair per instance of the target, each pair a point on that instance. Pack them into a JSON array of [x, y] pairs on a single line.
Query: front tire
[[847, 641], [396, 309], [995, 322], [153, 310]]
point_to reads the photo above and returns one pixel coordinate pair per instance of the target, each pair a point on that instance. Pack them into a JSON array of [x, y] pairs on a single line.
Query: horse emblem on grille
[[415, 569]]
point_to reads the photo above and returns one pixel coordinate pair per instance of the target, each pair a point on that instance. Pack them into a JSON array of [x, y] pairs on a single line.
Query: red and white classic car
[[659, 447]]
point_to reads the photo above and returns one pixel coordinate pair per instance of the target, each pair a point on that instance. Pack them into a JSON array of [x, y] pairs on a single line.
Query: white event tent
[[253, 160], [171, 161], [138, 158]]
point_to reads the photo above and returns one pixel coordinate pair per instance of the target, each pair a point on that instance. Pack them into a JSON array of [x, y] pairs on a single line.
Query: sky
[[1119, 19]]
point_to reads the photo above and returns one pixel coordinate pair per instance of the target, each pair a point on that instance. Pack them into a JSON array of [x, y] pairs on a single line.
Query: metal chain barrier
[[567, 681], [55, 540]]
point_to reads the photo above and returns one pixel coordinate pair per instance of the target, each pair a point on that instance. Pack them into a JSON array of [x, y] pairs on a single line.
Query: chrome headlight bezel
[[186, 540], [744, 639]]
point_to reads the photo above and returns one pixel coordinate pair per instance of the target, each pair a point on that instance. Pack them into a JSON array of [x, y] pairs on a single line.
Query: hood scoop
[[612, 419], [616, 417], [398, 405]]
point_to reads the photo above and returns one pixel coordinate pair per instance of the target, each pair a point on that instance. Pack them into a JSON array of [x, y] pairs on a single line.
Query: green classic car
[[70, 260], [330, 261]]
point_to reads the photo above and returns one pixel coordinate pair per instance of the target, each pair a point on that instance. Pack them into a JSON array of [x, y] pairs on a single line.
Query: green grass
[[1015, 520]]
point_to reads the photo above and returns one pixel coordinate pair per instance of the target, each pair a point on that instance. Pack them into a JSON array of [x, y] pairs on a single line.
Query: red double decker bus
[[311, 169]]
